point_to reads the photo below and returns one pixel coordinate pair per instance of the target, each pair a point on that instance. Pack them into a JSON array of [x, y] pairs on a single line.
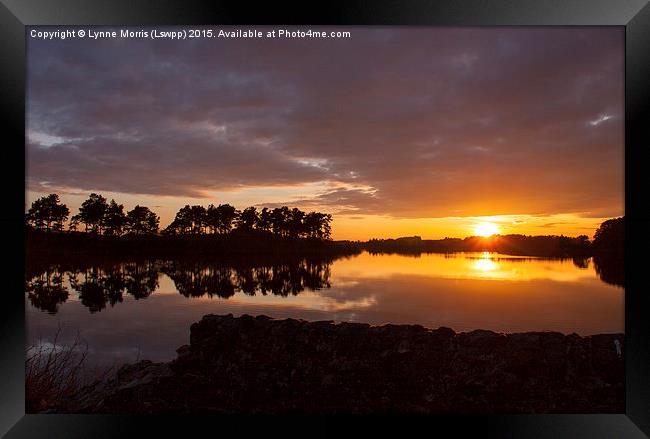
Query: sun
[[486, 229]]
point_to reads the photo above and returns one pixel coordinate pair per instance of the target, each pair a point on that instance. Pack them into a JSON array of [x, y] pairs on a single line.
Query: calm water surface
[[143, 310]]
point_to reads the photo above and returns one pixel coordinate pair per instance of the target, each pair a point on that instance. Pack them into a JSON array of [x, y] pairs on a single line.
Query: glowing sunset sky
[[395, 131]]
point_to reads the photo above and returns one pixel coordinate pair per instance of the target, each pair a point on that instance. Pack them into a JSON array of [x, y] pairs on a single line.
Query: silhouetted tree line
[[610, 237], [95, 214], [47, 213], [224, 218], [97, 287], [100, 217], [545, 245], [609, 251]]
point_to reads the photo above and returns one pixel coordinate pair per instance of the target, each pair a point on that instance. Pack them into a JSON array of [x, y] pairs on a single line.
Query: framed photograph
[[431, 209]]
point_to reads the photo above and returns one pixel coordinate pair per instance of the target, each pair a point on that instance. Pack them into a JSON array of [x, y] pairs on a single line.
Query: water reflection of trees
[[610, 269], [581, 262], [98, 286], [46, 290], [196, 279]]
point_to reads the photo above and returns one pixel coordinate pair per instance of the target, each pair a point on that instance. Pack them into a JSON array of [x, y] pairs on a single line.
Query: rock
[[183, 350], [262, 365]]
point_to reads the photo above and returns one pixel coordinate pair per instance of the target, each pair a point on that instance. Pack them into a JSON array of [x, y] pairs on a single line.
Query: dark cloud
[[435, 121], [548, 225]]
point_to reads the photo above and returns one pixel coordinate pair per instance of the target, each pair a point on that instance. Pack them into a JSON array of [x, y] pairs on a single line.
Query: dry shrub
[[52, 372]]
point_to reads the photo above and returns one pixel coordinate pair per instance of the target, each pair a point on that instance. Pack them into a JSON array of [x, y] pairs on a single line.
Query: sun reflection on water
[[485, 265]]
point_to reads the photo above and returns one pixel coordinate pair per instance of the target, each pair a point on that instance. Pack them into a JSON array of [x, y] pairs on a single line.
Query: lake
[[143, 309]]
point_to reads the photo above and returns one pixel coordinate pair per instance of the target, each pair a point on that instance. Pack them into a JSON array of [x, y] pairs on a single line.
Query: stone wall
[[258, 364]]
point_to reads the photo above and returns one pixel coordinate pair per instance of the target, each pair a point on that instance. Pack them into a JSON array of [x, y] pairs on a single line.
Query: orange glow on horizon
[[364, 227]]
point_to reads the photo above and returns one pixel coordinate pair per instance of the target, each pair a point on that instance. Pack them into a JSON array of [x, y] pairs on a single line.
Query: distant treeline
[[608, 241], [507, 244], [100, 217]]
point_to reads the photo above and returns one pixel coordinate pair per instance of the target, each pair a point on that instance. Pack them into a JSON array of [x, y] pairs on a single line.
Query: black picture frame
[[634, 15]]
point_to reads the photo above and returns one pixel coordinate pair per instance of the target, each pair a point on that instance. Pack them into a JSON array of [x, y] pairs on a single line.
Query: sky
[[394, 131]]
